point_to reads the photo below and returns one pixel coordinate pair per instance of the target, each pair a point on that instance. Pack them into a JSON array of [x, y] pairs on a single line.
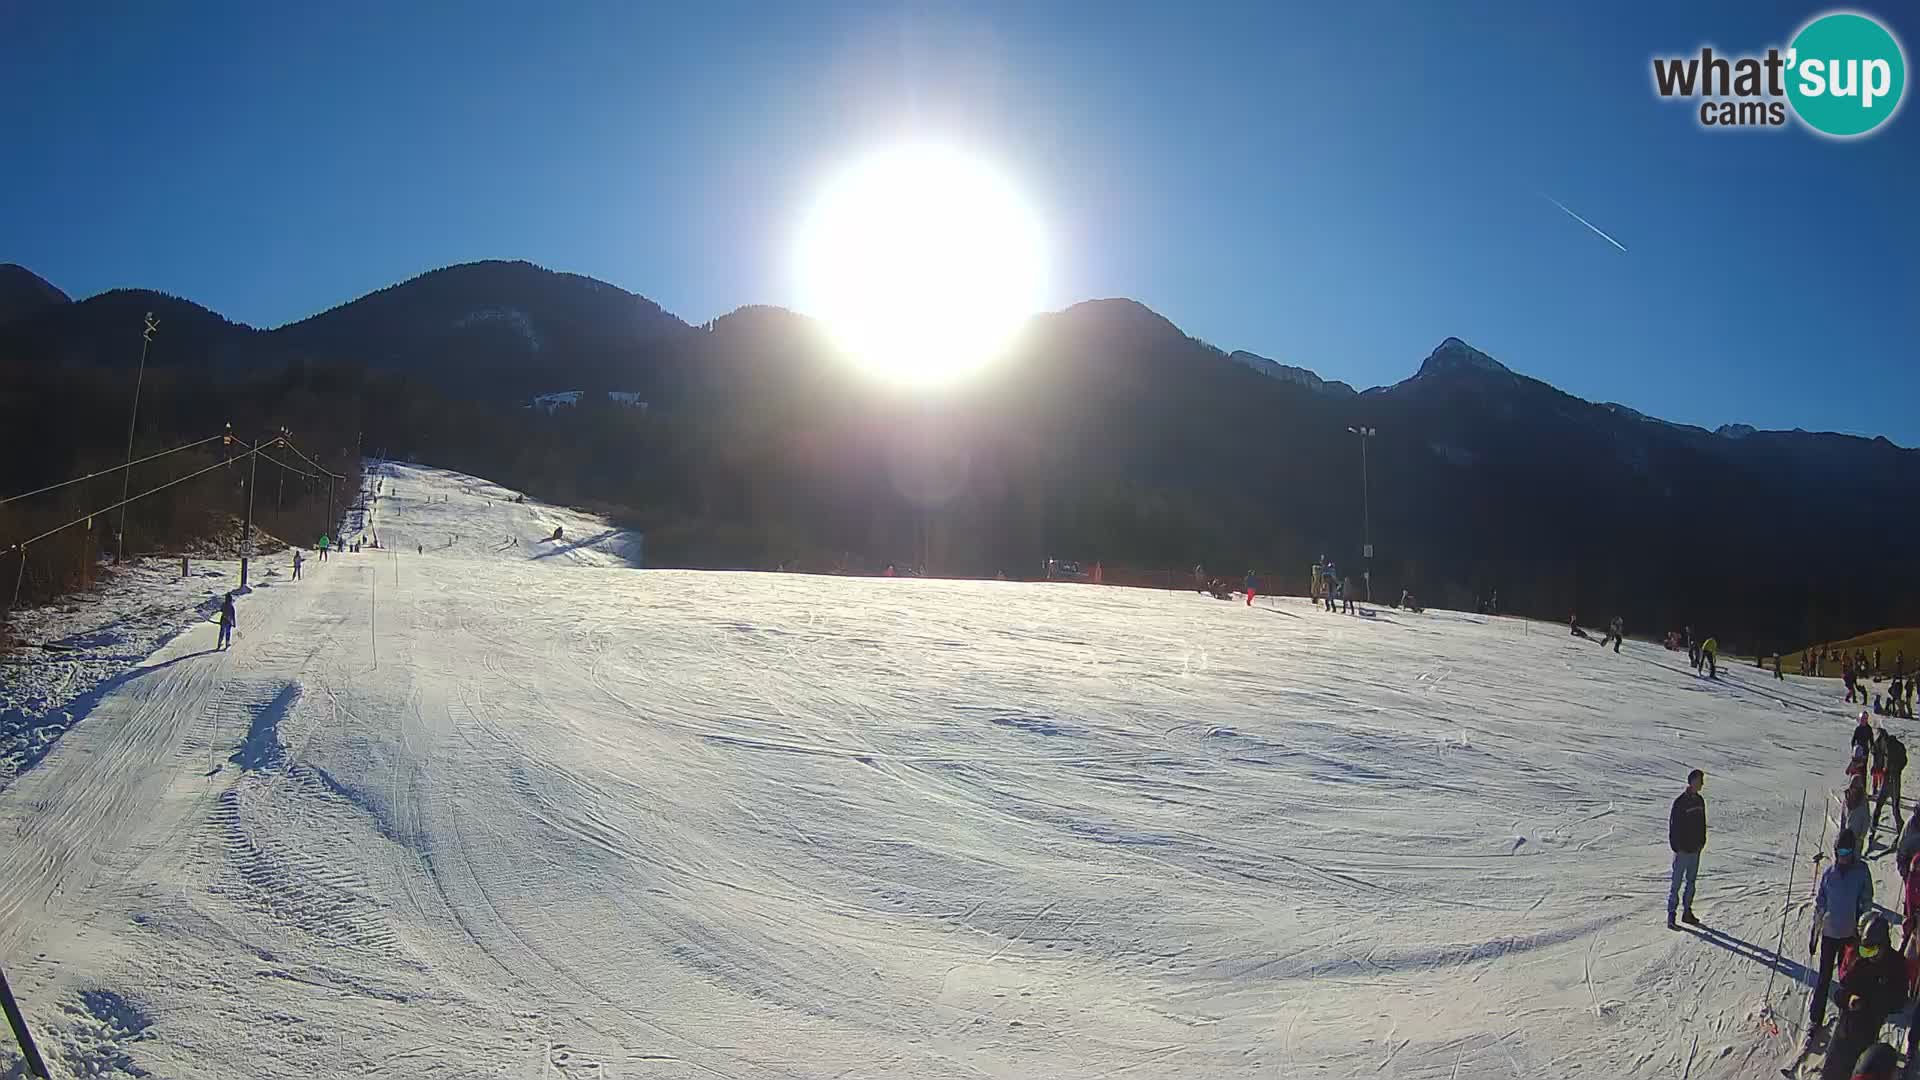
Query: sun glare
[[923, 261]]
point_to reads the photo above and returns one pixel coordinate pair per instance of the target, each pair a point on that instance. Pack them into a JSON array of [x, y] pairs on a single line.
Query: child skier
[[1877, 752], [1856, 814]]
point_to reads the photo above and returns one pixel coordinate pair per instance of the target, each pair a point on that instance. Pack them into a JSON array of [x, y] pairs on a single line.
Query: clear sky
[[1338, 186]]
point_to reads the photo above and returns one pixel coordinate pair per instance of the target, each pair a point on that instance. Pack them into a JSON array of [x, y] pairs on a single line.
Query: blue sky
[[1337, 186]]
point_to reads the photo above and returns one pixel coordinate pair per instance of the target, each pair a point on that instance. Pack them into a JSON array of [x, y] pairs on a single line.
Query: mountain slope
[[1106, 433], [489, 328], [472, 812], [105, 330], [502, 326], [23, 292]]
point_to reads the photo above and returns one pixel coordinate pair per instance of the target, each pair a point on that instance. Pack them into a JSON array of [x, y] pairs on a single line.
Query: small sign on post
[[1367, 551]]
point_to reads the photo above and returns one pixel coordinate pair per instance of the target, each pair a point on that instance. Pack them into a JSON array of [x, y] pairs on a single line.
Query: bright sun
[[923, 261]]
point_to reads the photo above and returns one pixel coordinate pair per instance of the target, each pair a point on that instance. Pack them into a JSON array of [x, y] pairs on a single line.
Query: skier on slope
[[1250, 583], [297, 559], [1909, 897], [1877, 756], [1843, 898], [228, 620], [1687, 836], [1872, 983], [1896, 757], [1710, 651], [1908, 845], [1856, 813], [1573, 626], [1863, 732], [1346, 593]]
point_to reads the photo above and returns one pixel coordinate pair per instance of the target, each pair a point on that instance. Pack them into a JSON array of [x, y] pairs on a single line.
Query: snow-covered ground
[[433, 511], [80, 644], [506, 807]]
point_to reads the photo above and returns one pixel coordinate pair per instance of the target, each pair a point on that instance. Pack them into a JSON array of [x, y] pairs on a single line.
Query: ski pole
[[1813, 931], [1786, 903], [35, 1066]]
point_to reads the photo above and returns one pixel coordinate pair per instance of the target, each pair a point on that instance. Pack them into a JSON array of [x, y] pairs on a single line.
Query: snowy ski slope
[[526, 812]]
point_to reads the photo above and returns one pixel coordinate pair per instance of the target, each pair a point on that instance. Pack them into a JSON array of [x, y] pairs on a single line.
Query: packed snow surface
[[509, 807]]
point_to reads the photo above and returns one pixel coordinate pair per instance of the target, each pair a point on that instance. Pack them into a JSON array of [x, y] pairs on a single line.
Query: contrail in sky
[[1584, 221]]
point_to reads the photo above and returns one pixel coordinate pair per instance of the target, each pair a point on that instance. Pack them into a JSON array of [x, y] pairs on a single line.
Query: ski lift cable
[[289, 468], [288, 440], [22, 545], [115, 469]]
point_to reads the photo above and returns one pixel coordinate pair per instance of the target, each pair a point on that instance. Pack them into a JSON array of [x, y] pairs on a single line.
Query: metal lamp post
[[1366, 509], [126, 473]]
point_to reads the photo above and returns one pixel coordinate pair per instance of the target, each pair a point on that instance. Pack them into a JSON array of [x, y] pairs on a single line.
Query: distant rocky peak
[[1456, 355]]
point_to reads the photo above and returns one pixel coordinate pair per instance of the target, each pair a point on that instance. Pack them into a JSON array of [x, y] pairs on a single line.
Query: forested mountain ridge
[[1107, 433]]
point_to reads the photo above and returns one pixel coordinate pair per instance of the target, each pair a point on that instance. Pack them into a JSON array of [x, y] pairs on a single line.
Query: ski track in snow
[[510, 808]]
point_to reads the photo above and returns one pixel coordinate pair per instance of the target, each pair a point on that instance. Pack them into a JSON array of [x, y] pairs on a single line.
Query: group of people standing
[[1704, 654], [1860, 972], [1327, 584], [1898, 698]]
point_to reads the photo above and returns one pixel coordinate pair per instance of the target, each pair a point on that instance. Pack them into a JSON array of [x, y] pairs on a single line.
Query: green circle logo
[[1846, 74]]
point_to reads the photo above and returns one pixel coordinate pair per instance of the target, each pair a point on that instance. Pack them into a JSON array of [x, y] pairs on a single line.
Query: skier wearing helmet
[[1845, 896], [1872, 984]]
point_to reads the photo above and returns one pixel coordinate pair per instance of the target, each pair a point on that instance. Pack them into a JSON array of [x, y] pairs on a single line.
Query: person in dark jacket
[[1872, 986], [1863, 732], [1896, 763], [228, 620], [1876, 1062], [1844, 897], [1687, 836]]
